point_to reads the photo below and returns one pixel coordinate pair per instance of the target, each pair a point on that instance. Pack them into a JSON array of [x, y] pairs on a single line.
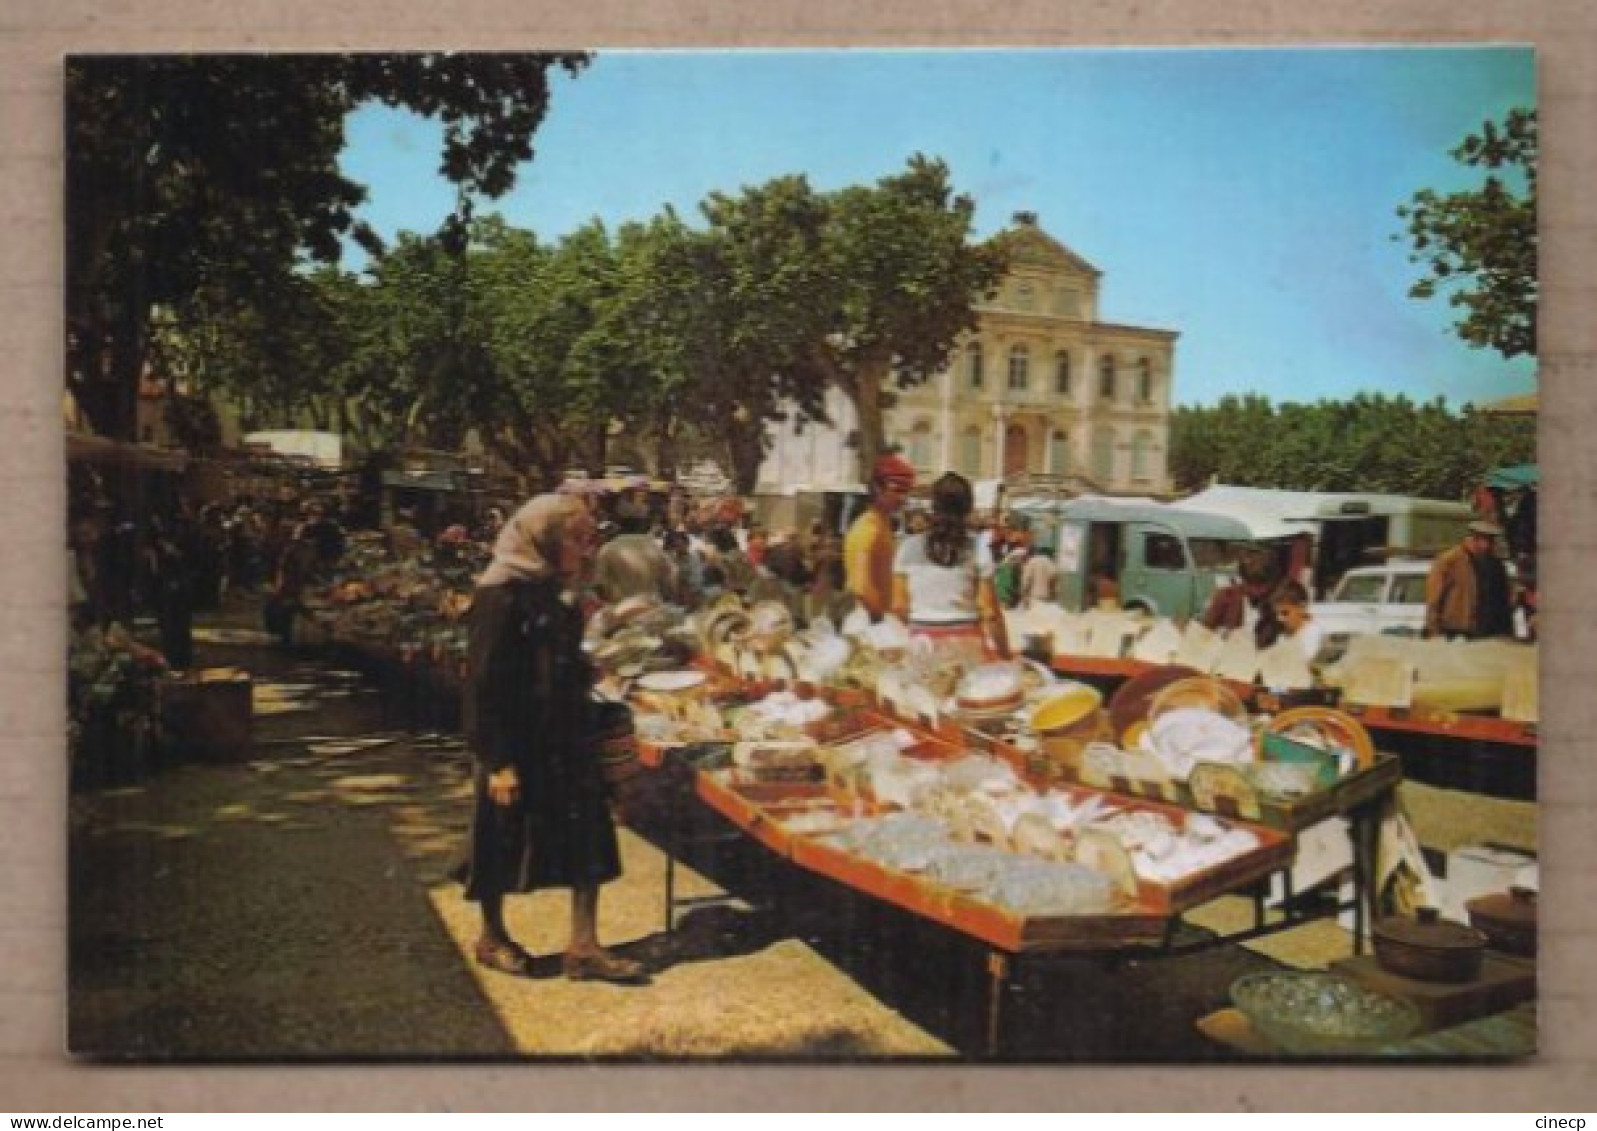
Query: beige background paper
[[34, 1072]]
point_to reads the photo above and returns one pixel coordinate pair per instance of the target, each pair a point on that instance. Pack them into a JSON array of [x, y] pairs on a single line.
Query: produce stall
[[399, 619]]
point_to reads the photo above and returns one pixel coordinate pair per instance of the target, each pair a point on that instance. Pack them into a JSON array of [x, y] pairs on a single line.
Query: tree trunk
[[867, 397], [601, 448], [745, 449], [665, 447], [106, 370], [121, 399]]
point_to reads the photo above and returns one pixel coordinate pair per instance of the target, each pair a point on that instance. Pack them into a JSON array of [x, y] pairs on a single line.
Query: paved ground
[[298, 906]]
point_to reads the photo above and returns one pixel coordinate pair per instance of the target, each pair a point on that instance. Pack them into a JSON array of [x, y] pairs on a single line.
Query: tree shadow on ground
[[1091, 1009]]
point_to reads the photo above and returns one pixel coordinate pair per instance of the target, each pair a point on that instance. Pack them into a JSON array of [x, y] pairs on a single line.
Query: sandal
[[504, 956], [602, 966]]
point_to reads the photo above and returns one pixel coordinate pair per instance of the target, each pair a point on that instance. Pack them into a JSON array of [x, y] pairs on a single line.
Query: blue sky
[[1243, 198]]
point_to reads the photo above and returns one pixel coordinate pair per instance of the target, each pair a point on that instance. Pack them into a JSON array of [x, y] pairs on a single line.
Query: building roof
[[1028, 245], [1190, 522], [1271, 513]]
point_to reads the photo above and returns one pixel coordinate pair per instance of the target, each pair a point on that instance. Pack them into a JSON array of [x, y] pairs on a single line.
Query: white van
[[1347, 528]]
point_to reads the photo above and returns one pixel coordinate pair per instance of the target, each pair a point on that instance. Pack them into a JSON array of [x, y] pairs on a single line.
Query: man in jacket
[[1467, 593]]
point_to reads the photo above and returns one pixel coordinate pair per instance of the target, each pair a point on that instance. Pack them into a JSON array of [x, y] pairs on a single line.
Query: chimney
[[1026, 219]]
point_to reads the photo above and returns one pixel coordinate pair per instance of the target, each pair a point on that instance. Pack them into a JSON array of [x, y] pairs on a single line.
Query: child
[[1291, 602]]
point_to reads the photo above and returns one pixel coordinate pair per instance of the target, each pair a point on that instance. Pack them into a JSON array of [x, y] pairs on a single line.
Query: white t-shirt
[[940, 595], [1310, 638]]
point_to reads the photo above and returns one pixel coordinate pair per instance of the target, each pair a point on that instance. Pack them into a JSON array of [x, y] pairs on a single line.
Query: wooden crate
[[208, 715], [1133, 924]]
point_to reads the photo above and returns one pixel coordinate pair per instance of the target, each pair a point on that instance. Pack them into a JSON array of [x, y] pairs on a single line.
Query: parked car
[[1387, 598]]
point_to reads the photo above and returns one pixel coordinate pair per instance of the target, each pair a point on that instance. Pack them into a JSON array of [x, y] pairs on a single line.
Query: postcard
[[410, 396]]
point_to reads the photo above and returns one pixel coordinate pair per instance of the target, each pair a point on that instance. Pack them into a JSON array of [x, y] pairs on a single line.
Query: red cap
[[894, 469]]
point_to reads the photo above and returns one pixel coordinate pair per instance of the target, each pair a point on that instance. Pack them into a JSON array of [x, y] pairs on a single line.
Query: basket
[[208, 715], [1130, 703], [1316, 734], [1067, 721], [616, 742], [1200, 692]]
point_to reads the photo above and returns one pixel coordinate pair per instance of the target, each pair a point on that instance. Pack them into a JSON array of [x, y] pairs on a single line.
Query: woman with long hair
[[943, 580]]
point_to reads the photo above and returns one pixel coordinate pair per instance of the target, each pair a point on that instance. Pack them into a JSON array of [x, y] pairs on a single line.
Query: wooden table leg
[[998, 969], [673, 844]]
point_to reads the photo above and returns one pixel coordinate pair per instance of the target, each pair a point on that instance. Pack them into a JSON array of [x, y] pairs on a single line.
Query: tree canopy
[[215, 178], [685, 334], [1370, 443], [904, 278], [207, 211], [1479, 246]]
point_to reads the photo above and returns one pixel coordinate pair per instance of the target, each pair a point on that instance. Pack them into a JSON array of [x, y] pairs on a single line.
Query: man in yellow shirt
[[869, 546]]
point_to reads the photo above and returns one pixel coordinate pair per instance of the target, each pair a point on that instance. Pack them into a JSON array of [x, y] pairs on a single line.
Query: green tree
[[766, 308], [415, 366], [219, 174], [1368, 443], [538, 306], [702, 333], [1479, 246], [644, 334], [903, 276], [260, 355]]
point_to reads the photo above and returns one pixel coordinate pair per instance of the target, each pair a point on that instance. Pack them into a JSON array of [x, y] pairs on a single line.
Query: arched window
[[973, 364], [1106, 378], [1142, 456], [1059, 453], [1062, 373], [1145, 381], [1019, 364], [920, 445], [1103, 455], [970, 453]]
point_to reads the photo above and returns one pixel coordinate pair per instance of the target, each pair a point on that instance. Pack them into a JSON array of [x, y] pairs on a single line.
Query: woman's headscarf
[[528, 546]]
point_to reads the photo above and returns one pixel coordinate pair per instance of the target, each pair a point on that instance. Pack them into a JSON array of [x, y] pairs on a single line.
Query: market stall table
[[1433, 740], [1145, 923]]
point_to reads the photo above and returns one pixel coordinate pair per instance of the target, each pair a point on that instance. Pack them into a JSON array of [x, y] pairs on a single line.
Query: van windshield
[[1213, 553]]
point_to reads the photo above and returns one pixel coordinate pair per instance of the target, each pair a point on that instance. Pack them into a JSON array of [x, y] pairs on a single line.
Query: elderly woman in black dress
[[542, 816]]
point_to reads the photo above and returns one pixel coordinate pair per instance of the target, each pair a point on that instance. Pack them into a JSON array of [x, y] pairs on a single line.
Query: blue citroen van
[[1146, 556]]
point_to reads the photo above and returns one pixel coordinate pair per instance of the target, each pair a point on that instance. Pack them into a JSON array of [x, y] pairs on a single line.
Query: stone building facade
[[1041, 388]]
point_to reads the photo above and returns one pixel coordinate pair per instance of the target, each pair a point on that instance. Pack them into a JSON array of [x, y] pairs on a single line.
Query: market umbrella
[[1517, 477]]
